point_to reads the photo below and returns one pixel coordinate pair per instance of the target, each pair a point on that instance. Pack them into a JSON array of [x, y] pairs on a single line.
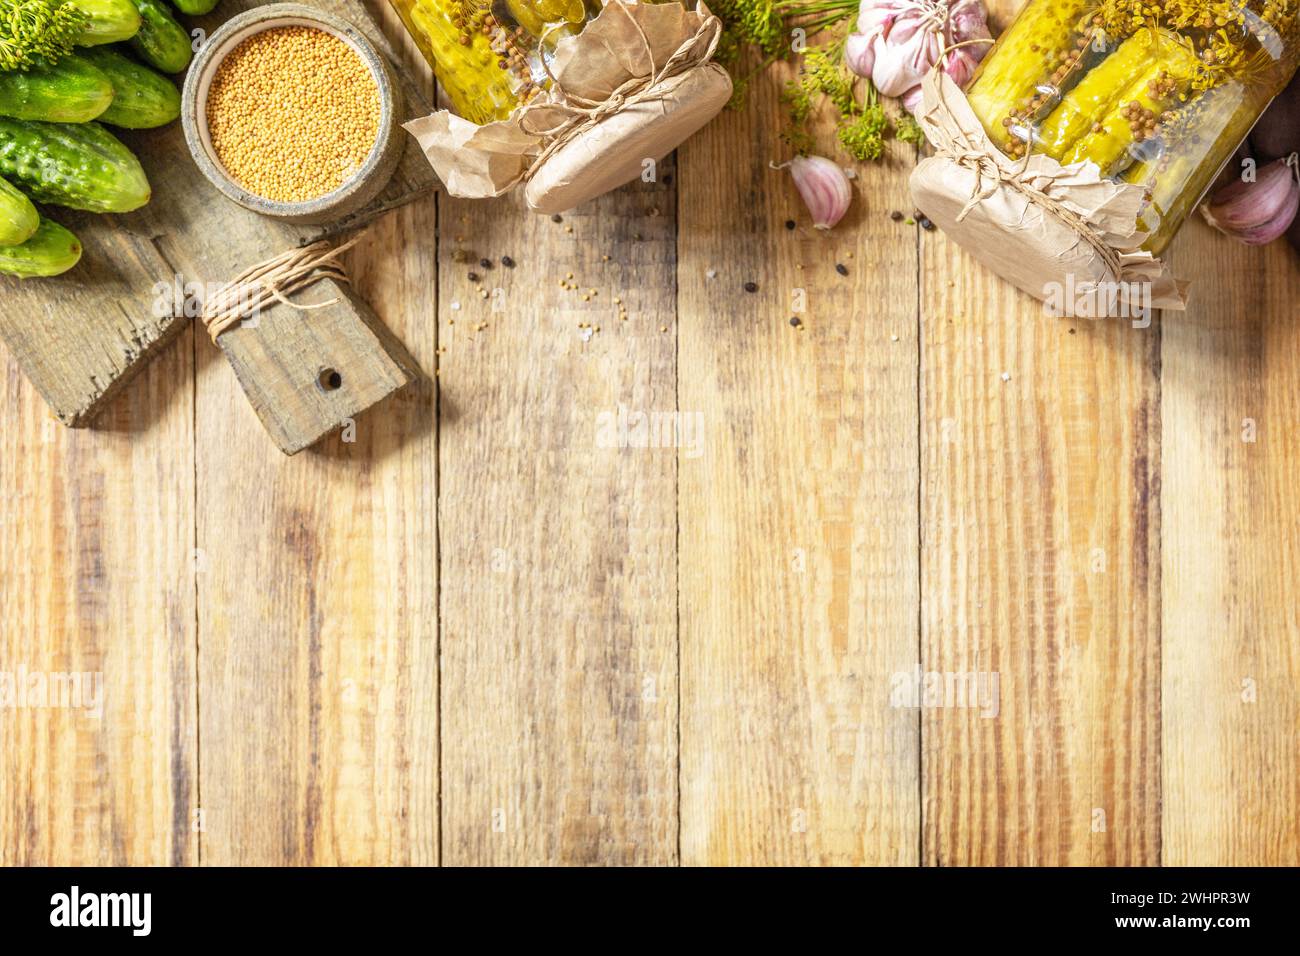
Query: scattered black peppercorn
[[751, 287], [473, 277], [926, 224], [789, 224], [507, 262], [557, 218], [485, 263], [795, 322], [841, 268], [896, 216]]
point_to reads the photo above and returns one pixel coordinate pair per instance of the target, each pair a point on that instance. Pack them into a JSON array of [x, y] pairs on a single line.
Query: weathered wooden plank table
[[601, 652]]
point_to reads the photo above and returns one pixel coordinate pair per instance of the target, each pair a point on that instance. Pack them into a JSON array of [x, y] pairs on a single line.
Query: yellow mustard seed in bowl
[[292, 113]]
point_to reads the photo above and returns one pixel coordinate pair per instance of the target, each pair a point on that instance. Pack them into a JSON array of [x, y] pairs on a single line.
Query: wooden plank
[[798, 522], [188, 228], [80, 339], [558, 582], [1040, 568], [318, 605], [1230, 714], [98, 580], [307, 374]]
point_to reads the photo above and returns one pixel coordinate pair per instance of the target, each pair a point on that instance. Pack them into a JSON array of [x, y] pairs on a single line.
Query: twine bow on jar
[[1041, 221], [578, 114], [959, 137]]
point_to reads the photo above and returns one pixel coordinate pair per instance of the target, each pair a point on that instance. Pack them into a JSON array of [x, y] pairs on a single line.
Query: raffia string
[[970, 154], [582, 114], [274, 281]]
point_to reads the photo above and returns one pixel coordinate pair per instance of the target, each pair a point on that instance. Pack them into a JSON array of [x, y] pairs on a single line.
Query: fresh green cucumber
[[194, 8], [50, 251], [70, 91], [142, 98], [18, 217], [79, 165], [109, 21], [162, 41]]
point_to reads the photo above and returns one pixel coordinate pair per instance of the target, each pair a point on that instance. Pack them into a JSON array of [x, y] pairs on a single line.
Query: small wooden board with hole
[[80, 337]]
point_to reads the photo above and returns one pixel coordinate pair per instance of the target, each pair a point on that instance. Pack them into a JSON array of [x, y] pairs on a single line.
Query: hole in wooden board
[[329, 380]]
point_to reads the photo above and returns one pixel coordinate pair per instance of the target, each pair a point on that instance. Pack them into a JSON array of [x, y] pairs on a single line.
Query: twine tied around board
[[275, 280], [968, 152], [582, 114]]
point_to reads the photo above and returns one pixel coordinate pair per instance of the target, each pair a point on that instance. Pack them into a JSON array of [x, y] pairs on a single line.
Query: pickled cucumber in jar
[[1154, 92], [488, 54]]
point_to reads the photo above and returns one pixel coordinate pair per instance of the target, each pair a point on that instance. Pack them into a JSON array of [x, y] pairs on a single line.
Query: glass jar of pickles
[[1156, 93], [487, 54]]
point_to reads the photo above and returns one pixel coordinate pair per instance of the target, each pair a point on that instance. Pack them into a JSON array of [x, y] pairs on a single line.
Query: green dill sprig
[[862, 125], [768, 26], [36, 31]]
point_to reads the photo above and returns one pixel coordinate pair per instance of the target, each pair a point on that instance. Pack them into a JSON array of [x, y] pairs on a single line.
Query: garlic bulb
[[824, 187], [899, 41], [1258, 212]]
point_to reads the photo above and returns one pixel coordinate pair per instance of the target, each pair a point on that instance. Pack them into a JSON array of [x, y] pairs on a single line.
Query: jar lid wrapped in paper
[[1039, 225], [628, 89]]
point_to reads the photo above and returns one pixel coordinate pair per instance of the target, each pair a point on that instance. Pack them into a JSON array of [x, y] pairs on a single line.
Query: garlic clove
[[900, 66], [860, 54], [960, 65], [912, 99], [968, 20], [1258, 212], [824, 187]]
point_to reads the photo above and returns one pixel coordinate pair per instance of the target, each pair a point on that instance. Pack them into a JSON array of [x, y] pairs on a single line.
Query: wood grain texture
[[511, 623], [798, 522], [317, 607], [97, 529], [308, 374], [559, 613], [1231, 558], [106, 301], [1040, 568]]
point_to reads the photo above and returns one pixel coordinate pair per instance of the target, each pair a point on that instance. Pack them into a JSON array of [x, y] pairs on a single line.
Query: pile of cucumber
[[54, 144]]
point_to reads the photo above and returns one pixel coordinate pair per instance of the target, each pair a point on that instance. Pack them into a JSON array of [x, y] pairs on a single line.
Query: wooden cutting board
[[80, 337]]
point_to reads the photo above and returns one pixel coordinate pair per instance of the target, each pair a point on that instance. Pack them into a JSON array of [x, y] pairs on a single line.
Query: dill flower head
[[1230, 37], [863, 135], [32, 31], [754, 22]]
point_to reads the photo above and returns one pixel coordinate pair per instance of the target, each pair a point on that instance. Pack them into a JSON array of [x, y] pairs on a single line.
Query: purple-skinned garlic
[[824, 187], [1258, 211], [898, 42]]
